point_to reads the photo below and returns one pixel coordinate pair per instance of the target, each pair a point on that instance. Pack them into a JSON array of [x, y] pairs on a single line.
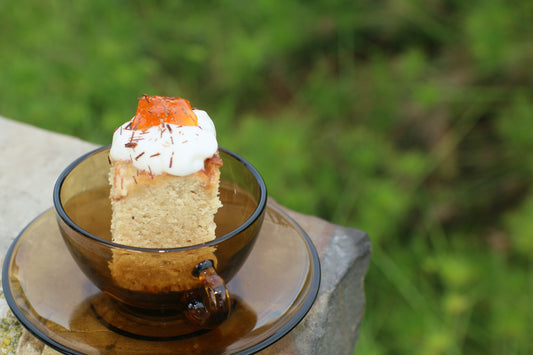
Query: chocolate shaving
[[138, 156], [134, 179], [172, 139], [155, 155], [132, 137], [169, 128], [150, 170], [170, 164], [109, 159], [130, 145]]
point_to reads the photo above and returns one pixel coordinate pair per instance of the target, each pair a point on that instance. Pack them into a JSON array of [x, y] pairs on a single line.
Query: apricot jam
[[156, 110]]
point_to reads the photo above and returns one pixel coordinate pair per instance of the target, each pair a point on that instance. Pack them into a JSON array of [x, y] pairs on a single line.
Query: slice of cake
[[164, 177]]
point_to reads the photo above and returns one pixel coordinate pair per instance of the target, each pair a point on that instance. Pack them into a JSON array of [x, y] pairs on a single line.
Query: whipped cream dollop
[[166, 148]]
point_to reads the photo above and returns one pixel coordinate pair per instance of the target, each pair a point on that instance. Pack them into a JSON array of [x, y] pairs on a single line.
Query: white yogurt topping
[[168, 148]]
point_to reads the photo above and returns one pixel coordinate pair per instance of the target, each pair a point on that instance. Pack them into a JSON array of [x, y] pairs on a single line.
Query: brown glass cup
[[158, 292]]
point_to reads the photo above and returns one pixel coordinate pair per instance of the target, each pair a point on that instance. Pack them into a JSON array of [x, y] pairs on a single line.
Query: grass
[[408, 119]]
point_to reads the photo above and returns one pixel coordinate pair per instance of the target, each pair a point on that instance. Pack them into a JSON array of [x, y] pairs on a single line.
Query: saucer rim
[[306, 305]]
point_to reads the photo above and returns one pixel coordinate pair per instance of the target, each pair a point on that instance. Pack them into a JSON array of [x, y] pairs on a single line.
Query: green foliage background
[[411, 120]]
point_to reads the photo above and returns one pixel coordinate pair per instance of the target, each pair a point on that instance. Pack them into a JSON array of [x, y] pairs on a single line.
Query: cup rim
[[60, 211]]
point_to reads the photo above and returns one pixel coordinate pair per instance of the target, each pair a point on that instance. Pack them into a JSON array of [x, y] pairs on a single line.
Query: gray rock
[[332, 325], [31, 159]]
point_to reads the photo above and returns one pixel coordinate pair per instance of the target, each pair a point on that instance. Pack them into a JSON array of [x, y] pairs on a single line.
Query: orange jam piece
[[156, 110]]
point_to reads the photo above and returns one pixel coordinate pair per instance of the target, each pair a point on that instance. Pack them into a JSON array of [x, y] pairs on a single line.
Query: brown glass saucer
[[53, 299]]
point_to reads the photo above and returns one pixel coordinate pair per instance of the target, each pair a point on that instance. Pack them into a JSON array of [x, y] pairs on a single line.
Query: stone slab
[[31, 160]]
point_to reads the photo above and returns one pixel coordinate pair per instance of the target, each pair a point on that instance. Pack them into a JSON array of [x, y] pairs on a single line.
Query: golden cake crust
[[162, 211]]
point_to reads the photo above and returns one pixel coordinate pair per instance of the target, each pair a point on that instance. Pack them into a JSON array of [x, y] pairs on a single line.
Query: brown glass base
[[48, 293], [148, 324]]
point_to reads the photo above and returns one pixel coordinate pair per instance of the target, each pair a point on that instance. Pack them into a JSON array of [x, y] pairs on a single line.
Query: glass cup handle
[[211, 308]]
